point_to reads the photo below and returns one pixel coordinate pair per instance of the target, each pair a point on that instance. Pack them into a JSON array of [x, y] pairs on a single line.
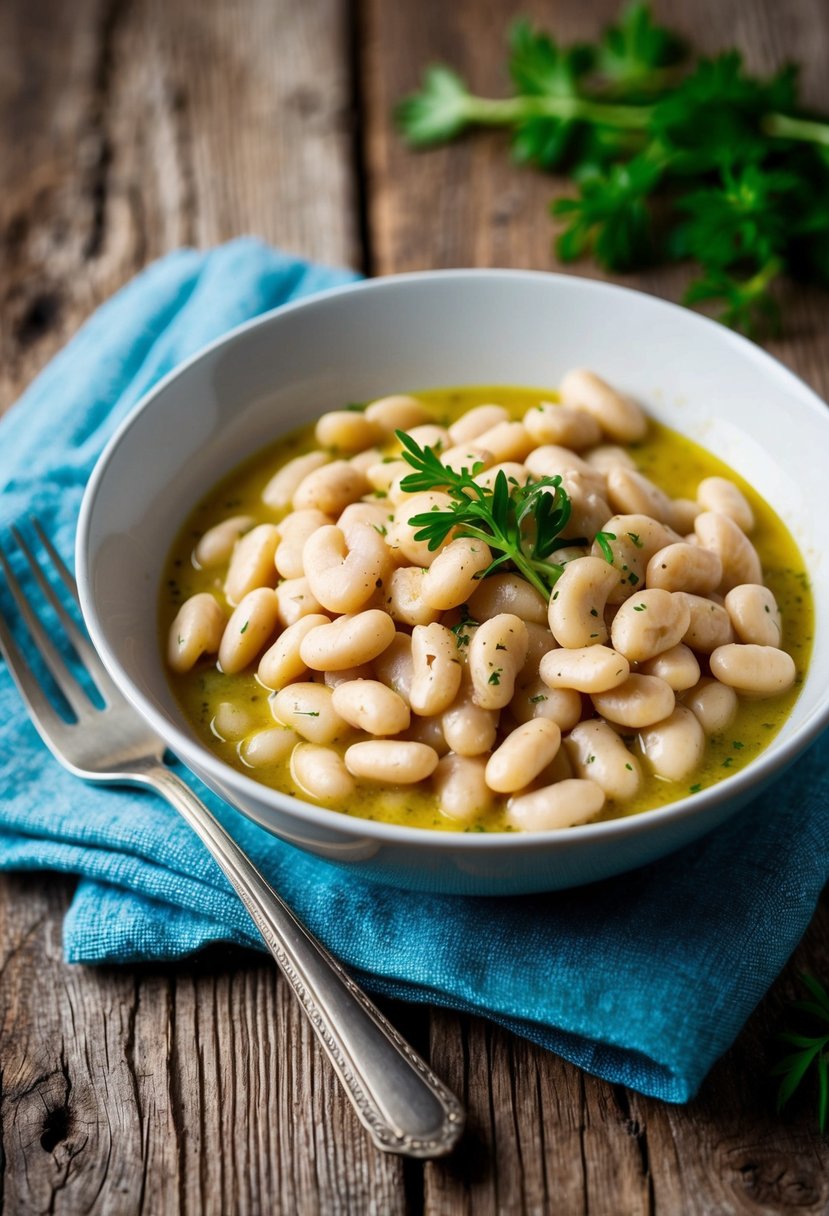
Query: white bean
[[649, 623], [740, 562], [562, 805], [721, 495], [710, 624], [428, 731], [436, 668], [576, 612], [757, 671], [333, 679], [394, 666], [398, 413], [430, 435], [269, 746], [675, 746], [596, 752], [475, 421], [250, 627], [331, 488], [632, 541], [385, 473], [216, 546], [461, 789], [506, 441], [677, 666], [552, 460], [295, 600], [631, 493], [591, 669], [469, 729], [343, 573], [640, 701], [370, 706], [536, 700], [609, 456], [196, 630], [402, 533], [294, 531], [376, 514], [347, 431], [557, 424], [684, 567], [391, 761], [404, 599], [365, 460], [469, 456], [525, 752], [231, 721], [309, 710], [281, 488], [683, 513], [496, 656], [251, 564], [713, 704], [281, 663], [513, 472], [754, 614], [507, 593], [454, 574], [348, 641], [539, 642], [619, 417], [320, 773]]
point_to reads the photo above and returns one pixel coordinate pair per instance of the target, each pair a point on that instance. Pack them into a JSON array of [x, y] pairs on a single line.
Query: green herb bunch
[[523, 523], [672, 158], [811, 1050]]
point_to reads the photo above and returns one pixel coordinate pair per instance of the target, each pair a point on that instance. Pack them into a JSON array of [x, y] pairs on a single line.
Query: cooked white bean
[[639, 701], [404, 598], [295, 600], [428, 731], [196, 630], [684, 567], [591, 669], [251, 626], [216, 546], [619, 417], [231, 721], [348, 641], [564, 427], [496, 656], [740, 562], [631, 493], [251, 564], [632, 540], [525, 752], [343, 573], [320, 772], [269, 746], [430, 435], [280, 490], [401, 532], [674, 748], [648, 623], [461, 789], [560, 769], [309, 710], [513, 472], [394, 666], [596, 752], [331, 488], [347, 431], [294, 531], [576, 612], [562, 805], [333, 679], [754, 614], [683, 513], [713, 704], [365, 460], [469, 729], [677, 666], [710, 624], [588, 508], [436, 668], [506, 441], [385, 473], [537, 700], [609, 456], [552, 460], [370, 706], [397, 413], [376, 514], [539, 642], [721, 495], [454, 574], [507, 593], [756, 671], [281, 663], [469, 456], [475, 421], [391, 761]]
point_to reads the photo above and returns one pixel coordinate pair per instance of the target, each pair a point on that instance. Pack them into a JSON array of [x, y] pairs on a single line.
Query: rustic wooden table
[[130, 127]]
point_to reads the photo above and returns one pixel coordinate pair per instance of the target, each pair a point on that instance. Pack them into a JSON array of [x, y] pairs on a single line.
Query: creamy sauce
[[674, 463]]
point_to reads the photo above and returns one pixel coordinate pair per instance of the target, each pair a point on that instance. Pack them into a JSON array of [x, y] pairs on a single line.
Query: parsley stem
[[490, 111], [784, 126]]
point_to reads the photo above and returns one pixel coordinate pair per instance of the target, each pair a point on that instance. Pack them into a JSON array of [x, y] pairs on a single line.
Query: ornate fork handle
[[403, 1105]]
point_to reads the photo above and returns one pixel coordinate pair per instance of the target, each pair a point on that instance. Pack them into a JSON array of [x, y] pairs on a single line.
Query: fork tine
[[83, 648], [49, 725], [61, 674], [57, 561]]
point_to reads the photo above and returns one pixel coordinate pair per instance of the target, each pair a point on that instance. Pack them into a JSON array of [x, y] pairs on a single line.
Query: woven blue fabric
[[644, 980]]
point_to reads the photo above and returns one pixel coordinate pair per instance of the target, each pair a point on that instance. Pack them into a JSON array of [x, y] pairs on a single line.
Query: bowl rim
[[758, 772]]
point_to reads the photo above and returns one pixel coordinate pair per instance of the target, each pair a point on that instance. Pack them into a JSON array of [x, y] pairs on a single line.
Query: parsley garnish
[[640, 607], [495, 678], [812, 1050], [523, 523], [672, 157], [307, 713], [244, 627], [603, 541], [538, 697]]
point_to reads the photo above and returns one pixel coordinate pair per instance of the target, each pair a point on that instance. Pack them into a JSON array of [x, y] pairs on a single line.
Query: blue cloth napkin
[[644, 980]]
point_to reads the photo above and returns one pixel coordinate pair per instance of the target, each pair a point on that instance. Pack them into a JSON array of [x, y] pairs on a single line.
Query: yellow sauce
[[674, 463]]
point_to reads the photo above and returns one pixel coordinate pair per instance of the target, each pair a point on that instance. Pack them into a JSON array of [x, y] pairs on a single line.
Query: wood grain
[[129, 127]]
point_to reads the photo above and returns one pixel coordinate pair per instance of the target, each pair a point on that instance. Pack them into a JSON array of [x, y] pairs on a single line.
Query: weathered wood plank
[[542, 1136]]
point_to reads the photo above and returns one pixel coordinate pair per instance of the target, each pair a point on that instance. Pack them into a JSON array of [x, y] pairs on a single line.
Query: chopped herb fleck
[[244, 627], [637, 540], [495, 677], [640, 607], [694, 789], [538, 697]]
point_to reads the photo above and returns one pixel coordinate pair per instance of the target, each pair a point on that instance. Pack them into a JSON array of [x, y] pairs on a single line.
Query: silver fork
[[404, 1106]]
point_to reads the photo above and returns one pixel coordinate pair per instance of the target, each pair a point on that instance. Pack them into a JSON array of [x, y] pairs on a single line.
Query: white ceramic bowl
[[415, 332]]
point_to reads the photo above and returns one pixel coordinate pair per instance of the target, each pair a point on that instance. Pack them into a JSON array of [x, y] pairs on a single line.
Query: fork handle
[[403, 1105]]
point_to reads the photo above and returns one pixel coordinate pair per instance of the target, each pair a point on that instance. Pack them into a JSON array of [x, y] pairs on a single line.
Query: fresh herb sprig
[[523, 523], [811, 1051], [671, 158]]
